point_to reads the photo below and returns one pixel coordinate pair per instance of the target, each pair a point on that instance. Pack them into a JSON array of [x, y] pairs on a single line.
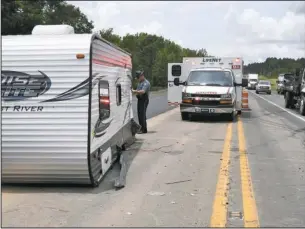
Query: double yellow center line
[[220, 206]]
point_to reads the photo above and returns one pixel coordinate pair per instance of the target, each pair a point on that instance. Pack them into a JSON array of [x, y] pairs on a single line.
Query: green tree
[[272, 66], [20, 17], [151, 53]]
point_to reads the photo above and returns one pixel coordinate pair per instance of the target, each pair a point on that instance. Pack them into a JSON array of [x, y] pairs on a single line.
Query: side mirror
[[244, 82], [176, 81], [285, 81]]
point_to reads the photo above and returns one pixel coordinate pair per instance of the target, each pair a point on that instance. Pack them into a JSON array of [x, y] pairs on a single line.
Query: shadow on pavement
[[211, 119], [106, 185]]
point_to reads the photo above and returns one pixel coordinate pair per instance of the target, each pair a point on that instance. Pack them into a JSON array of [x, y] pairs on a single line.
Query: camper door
[[174, 93]]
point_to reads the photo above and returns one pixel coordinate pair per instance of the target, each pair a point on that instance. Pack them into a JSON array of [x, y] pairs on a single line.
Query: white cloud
[[254, 30]]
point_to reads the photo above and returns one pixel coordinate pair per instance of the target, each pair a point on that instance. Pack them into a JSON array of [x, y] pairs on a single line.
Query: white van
[[206, 85], [66, 106]]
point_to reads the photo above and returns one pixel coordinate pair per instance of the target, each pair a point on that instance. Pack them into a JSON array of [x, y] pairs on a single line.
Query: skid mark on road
[[249, 204], [219, 214]]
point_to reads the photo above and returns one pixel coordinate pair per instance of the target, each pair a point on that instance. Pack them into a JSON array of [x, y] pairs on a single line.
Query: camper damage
[[66, 106]]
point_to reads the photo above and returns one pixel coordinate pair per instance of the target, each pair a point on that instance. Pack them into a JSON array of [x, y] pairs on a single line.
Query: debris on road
[[177, 182], [173, 202], [156, 193], [121, 180]]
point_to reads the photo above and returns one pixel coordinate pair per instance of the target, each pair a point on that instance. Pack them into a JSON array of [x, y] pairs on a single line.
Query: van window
[[176, 70], [210, 78], [118, 94]]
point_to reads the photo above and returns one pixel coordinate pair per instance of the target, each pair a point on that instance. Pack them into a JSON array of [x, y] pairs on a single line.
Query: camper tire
[[184, 116]]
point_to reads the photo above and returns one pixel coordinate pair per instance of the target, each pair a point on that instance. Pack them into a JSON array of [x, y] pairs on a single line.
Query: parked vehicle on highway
[[252, 81], [263, 86], [66, 106], [294, 91], [287, 77], [280, 84], [206, 85]]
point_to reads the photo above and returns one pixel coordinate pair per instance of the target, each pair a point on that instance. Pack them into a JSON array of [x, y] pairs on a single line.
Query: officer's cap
[[139, 73]]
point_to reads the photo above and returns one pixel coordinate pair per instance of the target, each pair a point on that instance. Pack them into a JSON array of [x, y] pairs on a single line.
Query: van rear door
[[237, 68], [174, 93]]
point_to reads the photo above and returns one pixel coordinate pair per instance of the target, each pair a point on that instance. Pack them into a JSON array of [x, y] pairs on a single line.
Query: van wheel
[[302, 106], [231, 117], [184, 116]]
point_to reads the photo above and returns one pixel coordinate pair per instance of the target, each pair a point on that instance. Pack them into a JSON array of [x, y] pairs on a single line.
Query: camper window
[[118, 94], [176, 70], [104, 100]]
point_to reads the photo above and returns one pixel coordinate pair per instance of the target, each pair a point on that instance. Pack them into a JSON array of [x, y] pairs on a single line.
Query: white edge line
[[274, 104]]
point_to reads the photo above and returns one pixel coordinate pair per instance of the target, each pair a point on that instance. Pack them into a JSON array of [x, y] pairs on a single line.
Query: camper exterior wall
[[113, 66], [46, 141]]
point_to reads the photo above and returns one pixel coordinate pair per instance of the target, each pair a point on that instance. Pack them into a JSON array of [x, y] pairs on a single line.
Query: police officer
[[142, 94]]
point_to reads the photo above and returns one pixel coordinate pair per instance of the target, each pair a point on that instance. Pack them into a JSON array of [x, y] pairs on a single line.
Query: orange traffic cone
[[245, 104]]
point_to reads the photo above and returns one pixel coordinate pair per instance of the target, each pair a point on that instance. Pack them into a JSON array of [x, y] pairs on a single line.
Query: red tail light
[[104, 99]]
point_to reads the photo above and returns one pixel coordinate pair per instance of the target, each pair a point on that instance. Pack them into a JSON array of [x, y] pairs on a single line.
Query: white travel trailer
[[66, 106]]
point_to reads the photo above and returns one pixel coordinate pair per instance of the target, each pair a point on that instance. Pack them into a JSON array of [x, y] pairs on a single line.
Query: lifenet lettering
[[211, 60]]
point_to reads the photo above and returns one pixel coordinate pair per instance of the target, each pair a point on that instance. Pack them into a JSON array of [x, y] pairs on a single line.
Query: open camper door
[[174, 93]]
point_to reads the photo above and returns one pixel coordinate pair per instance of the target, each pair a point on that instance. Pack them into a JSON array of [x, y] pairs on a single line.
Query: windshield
[[210, 78], [264, 82], [253, 80], [288, 76]]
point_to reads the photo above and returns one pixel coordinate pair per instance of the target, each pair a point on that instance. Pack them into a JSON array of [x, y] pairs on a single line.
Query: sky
[[251, 29]]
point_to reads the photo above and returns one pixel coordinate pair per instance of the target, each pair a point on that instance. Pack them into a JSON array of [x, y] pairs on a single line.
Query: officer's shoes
[[142, 132]]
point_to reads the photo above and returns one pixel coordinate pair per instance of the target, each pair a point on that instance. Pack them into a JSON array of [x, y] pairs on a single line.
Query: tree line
[[151, 53], [272, 66]]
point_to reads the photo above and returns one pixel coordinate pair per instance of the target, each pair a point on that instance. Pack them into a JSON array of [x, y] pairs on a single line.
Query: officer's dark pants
[[142, 107]]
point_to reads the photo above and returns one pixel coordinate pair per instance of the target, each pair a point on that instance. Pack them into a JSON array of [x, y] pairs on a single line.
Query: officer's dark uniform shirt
[[144, 85]]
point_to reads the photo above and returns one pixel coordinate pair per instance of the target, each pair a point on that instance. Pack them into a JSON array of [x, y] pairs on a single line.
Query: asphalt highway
[[207, 172]]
